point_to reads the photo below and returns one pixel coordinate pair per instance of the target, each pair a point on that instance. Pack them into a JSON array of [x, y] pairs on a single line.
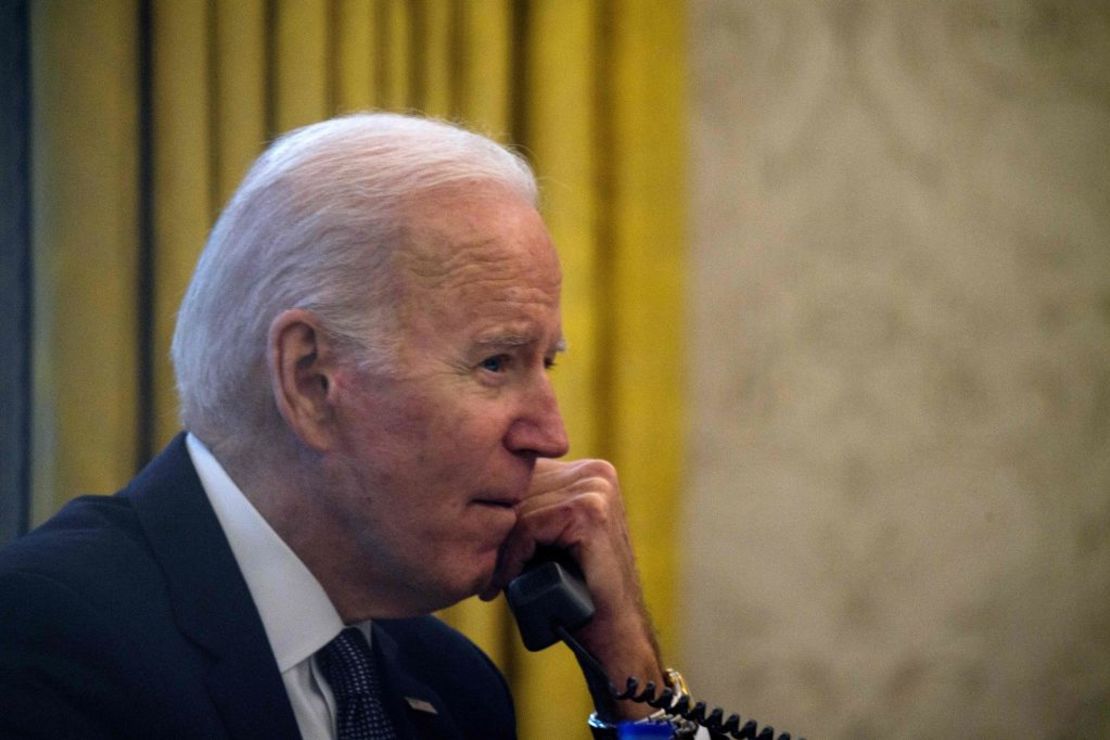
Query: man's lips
[[500, 503]]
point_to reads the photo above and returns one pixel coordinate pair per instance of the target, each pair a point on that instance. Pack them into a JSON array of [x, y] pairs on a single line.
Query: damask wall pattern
[[898, 517]]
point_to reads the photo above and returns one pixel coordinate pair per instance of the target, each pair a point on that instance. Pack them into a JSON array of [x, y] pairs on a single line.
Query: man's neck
[[293, 503]]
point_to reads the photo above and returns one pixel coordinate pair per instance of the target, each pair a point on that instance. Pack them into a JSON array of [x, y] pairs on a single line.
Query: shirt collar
[[298, 616]]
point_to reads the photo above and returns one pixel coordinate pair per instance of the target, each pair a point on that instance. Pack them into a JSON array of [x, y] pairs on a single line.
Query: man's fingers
[[553, 475], [544, 524], [574, 506], [571, 522]]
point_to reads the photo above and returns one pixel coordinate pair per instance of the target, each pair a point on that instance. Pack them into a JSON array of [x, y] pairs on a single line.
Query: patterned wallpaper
[[899, 367]]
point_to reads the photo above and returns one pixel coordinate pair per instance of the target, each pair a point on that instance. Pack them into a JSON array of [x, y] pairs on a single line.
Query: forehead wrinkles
[[435, 261]]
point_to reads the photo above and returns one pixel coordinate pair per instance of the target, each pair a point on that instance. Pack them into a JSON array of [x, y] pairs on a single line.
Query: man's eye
[[549, 362], [495, 364]]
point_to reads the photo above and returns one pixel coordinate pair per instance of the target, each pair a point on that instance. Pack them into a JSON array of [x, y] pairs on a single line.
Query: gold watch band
[[676, 683]]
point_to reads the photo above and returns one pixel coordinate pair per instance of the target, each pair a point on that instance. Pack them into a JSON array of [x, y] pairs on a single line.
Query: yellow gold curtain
[[146, 114]]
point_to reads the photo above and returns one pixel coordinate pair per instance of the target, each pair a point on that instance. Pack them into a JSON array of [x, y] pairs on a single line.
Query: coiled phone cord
[[601, 687]]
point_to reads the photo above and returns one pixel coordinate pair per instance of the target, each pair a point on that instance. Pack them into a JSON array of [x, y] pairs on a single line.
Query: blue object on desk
[[645, 730]]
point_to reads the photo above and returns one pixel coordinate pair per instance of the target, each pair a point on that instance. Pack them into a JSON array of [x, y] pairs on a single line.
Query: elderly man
[[363, 361]]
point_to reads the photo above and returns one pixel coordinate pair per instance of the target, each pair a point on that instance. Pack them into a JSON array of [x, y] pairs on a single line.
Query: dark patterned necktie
[[348, 665]]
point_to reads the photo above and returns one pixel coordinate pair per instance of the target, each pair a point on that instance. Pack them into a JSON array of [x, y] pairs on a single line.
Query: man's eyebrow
[[510, 341]]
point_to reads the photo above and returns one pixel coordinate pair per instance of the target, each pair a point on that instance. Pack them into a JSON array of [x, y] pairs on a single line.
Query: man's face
[[436, 451]]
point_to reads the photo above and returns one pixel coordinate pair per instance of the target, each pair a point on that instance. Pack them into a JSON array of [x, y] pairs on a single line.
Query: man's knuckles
[[581, 507], [556, 471]]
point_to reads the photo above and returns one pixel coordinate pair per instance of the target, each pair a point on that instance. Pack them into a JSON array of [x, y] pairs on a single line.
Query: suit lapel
[[417, 710], [212, 604]]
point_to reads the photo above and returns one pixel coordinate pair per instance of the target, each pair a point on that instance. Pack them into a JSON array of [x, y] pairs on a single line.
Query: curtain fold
[[147, 113], [181, 177], [85, 233]]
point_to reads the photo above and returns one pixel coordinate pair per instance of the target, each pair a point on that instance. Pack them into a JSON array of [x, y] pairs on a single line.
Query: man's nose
[[539, 429]]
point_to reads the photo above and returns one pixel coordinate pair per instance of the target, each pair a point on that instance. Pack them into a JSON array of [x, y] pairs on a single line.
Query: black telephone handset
[[550, 599], [549, 594]]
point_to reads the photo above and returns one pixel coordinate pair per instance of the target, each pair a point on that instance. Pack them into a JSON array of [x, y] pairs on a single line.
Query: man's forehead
[[435, 258], [454, 225], [481, 272]]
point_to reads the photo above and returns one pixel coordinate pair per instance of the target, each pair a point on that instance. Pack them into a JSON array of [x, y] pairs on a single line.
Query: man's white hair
[[313, 226]]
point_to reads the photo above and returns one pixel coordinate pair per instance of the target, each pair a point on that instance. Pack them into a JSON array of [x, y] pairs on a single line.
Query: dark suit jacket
[[127, 616]]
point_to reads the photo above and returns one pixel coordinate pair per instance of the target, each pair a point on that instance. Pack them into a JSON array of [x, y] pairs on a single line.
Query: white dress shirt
[[298, 616]]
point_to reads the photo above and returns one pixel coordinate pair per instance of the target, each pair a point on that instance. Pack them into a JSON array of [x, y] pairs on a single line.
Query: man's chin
[[445, 595]]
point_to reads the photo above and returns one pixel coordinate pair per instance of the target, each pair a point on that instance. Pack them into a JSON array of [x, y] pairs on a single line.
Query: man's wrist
[[681, 728]]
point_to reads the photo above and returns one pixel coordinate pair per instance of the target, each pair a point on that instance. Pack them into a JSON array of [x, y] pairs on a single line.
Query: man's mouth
[[497, 502]]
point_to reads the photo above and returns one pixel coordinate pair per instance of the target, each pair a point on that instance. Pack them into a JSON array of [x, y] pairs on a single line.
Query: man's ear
[[302, 364]]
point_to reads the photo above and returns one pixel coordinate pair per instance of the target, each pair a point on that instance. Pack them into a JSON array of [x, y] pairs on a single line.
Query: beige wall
[[899, 446]]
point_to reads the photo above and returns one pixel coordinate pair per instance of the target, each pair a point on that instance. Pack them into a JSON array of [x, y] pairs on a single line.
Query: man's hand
[[576, 506]]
